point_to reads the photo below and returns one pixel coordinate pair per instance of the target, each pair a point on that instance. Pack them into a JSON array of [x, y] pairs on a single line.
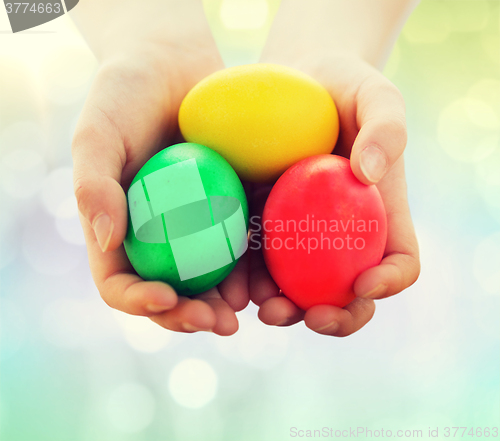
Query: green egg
[[187, 219]]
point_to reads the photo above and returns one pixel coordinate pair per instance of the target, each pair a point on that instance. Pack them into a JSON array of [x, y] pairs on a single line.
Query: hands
[[338, 43], [373, 135], [129, 115]]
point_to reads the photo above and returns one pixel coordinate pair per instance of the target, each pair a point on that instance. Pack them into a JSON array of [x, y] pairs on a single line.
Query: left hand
[[373, 135]]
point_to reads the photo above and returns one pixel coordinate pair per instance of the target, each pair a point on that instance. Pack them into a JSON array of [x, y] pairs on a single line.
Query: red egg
[[321, 228]]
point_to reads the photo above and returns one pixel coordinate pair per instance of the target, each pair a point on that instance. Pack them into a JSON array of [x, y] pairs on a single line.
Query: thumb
[[382, 135], [121, 125], [97, 168]]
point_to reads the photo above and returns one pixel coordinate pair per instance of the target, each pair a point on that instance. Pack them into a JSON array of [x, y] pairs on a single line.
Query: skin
[[131, 113]]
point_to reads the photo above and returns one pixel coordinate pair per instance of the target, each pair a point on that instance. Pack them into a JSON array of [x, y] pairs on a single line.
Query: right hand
[[130, 114]]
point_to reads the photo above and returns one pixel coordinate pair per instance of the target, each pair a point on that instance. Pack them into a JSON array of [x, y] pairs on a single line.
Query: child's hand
[[372, 128], [129, 115]]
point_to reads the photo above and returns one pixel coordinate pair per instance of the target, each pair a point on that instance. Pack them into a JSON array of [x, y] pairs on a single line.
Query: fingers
[[98, 159], [129, 293], [190, 315], [226, 322], [275, 309], [279, 311], [261, 285], [120, 126], [400, 267], [204, 312], [102, 203], [382, 136], [394, 274], [120, 287], [340, 322], [124, 290], [323, 319], [234, 288], [120, 114]]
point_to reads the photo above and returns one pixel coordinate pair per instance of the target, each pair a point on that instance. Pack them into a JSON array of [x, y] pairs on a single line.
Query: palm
[[130, 114], [357, 90]]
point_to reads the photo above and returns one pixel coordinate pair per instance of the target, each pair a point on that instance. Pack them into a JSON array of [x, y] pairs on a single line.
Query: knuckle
[[83, 196], [389, 90], [410, 272], [417, 268], [100, 284], [393, 127], [397, 126], [83, 134], [122, 71], [106, 299], [95, 126], [80, 190]]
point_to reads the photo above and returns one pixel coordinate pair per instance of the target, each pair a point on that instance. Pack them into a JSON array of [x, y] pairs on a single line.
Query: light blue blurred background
[[73, 369]]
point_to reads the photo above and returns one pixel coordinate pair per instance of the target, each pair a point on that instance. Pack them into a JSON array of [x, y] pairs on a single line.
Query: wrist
[[366, 29]]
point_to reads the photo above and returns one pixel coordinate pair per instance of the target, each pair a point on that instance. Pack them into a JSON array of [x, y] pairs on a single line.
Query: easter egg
[[262, 118], [321, 228], [188, 218]]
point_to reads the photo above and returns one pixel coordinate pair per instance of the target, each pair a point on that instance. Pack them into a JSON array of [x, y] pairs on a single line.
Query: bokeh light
[[9, 235], [68, 223], [491, 46], [14, 328], [66, 72], [471, 16], [487, 263], [131, 407], [244, 14], [18, 89], [468, 130], [65, 323], [193, 383], [57, 191], [59, 200], [255, 344], [72, 368], [22, 172], [141, 333], [488, 91], [23, 134], [430, 23], [45, 250], [490, 193]]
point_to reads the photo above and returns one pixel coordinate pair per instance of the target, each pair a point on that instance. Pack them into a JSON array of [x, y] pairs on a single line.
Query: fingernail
[[332, 327], [281, 323], [103, 228], [375, 292], [190, 328], [157, 308], [373, 163]]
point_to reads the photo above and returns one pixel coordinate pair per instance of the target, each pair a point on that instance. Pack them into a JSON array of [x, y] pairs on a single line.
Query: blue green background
[[73, 369]]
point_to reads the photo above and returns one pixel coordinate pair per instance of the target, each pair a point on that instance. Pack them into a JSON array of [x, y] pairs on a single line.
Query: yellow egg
[[261, 118]]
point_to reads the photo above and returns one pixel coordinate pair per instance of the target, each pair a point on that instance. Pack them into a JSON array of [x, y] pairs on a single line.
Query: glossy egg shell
[[321, 204], [155, 260], [261, 118]]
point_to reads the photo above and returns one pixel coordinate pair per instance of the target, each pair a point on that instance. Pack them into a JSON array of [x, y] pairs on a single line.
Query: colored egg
[[262, 118], [321, 228], [188, 219]]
